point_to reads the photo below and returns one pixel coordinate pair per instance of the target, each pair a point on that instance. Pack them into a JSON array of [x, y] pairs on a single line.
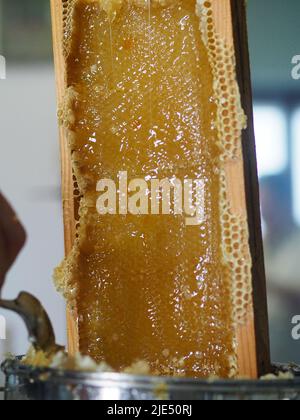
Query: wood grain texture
[[253, 342], [260, 312], [253, 338], [66, 165], [222, 10]]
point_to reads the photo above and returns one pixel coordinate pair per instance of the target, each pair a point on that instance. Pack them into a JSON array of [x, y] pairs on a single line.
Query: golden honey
[[141, 100]]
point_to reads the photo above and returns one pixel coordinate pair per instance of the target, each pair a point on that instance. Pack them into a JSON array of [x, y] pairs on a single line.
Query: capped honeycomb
[[151, 91]]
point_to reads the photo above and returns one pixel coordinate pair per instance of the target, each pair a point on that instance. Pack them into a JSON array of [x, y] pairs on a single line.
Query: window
[[271, 139]]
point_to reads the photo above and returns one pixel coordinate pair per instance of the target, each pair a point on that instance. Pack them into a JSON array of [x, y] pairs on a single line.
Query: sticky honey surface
[[141, 100]]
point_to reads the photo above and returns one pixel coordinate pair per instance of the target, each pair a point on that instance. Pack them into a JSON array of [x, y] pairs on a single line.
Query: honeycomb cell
[[148, 91]]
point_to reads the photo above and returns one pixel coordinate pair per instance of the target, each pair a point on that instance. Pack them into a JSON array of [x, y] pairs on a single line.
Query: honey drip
[[141, 100]]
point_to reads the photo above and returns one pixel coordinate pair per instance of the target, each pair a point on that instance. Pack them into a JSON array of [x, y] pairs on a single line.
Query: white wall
[[30, 178]]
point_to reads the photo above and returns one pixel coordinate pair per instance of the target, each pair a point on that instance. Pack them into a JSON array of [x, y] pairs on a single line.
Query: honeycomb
[[67, 10], [151, 90], [231, 120]]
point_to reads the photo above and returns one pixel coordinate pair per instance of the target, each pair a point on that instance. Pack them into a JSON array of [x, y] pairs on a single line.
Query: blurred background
[[30, 174], [274, 37], [29, 159]]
